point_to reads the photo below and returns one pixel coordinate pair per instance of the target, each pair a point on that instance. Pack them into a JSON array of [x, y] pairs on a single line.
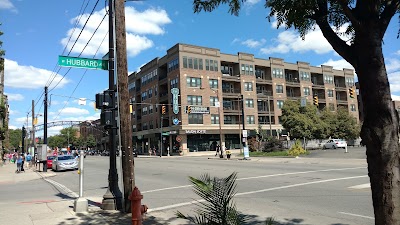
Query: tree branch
[[390, 9], [348, 12]]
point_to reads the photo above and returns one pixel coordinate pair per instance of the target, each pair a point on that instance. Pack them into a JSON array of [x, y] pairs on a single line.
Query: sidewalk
[[61, 212]]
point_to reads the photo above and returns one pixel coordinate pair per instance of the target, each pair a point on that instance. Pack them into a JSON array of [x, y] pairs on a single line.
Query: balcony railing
[[230, 90], [264, 93], [292, 81]]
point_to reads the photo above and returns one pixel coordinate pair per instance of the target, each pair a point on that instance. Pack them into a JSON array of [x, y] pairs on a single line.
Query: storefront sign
[[195, 131], [175, 102], [197, 109]]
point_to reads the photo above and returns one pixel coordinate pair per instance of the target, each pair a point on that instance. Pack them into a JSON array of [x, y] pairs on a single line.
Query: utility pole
[[161, 135], [123, 95], [269, 113], [112, 197], [33, 128], [243, 123]]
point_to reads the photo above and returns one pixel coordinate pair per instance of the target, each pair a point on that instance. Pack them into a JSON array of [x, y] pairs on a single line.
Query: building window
[[195, 118], [279, 103], [213, 100], [194, 100], [305, 76], [349, 81], [279, 89], [173, 65], [247, 69], [144, 111], [330, 93], [277, 73], [353, 107], [150, 109], [331, 107], [248, 86], [249, 103], [151, 125], [174, 83], [213, 83], [211, 65], [214, 119], [328, 79], [150, 93], [306, 91], [193, 82], [250, 120]]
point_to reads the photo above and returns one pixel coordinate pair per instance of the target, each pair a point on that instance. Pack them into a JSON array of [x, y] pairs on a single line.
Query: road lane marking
[[361, 186], [351, 214], [258, 191], [258, 177]]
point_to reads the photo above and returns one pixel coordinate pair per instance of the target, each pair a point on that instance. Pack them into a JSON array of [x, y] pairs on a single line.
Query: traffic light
[[315, 100], [163, 109], [351, 92], [23, 132], [189, 109]]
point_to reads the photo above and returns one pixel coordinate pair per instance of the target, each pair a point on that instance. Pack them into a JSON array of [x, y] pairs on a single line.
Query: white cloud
[[398, 52], [12, 127], [12, 112], [29, 77], [395, 97], [14, 97], [338, 64], [7, 4], [290, 40], [234, 41], [73, 111], [392, 65], [253, 43], [252, 2], [148, 22]]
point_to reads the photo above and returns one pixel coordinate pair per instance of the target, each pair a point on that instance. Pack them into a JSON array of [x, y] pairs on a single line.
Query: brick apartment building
[[206, 78]]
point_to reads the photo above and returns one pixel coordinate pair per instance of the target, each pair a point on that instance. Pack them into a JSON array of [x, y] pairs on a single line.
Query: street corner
[[42, 174]]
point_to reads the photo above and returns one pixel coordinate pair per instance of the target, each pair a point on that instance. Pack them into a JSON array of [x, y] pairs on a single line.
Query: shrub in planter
[[272, 144], [296, 149]]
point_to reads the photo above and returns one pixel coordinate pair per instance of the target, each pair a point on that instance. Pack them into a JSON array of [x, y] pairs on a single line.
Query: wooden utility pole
[[123, 95], [33, 128]]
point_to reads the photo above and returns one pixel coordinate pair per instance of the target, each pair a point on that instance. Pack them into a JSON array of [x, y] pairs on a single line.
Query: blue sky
[[35, 34]]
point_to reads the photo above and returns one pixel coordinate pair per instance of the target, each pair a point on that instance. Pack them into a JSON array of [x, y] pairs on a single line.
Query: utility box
[[42, 152]]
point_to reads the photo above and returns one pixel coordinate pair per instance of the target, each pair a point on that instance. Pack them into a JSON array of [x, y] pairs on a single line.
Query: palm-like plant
[[217, 206]]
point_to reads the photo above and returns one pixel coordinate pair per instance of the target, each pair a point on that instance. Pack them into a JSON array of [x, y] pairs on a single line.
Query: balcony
[[292, 82], [263, 93], [341, 101], [340, 87], [231, 92], [163, 96]]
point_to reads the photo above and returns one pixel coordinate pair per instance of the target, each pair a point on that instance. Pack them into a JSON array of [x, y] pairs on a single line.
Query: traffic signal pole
[[112, 197]]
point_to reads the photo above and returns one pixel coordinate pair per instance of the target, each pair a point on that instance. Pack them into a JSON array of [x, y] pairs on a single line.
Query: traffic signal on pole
[[315, 100], [163, 109], [351, 92], [23, 132], [189, 109], [130, 109]]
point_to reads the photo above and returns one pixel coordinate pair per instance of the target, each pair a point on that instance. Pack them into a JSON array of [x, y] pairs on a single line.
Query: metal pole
[[45, 117], [161, 140], [112, 197], [269, 113], [81, 174], [219, 118], [243, 120], [33, 128]]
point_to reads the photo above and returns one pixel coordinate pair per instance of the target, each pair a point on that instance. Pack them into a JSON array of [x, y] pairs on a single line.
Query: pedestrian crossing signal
[[163, 109], [351, 93], [315, 100]]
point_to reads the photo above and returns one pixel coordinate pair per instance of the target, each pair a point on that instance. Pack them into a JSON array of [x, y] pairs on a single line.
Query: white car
[[335, 143]]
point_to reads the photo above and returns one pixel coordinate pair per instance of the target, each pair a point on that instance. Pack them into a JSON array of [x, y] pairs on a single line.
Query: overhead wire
[[59, 112]]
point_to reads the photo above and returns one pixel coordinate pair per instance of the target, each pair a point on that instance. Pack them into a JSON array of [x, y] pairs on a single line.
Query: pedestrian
[[217, 150], [14, 159], [9, 157], [19, 163], [28, 160], [23, 161]]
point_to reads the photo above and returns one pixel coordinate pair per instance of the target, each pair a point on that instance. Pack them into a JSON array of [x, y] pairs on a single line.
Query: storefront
[[198, 140]]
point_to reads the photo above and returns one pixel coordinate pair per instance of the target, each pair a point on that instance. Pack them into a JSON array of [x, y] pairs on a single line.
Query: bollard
[[136, 206]]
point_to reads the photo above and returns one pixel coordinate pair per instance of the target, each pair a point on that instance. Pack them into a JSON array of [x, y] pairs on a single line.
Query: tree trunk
[[380, 128]]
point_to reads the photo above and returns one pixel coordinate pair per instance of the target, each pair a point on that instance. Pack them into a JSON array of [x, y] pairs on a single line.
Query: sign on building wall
[[195, 131], [190, 109], [175, 101]]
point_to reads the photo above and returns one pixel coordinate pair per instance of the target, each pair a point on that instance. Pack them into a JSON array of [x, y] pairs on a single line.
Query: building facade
[[203, 92]]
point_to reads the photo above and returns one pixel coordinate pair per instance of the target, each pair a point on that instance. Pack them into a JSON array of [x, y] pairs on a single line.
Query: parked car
[[335, 143], [50, 161], [64, 162]]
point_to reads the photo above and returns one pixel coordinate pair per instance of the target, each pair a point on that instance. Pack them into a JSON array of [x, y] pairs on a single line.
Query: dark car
[[50, 161]]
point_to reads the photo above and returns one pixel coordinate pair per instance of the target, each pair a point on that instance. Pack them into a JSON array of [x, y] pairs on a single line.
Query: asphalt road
[[326, 187]]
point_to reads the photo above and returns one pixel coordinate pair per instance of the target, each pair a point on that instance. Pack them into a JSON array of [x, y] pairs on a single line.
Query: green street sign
[[97, 64], [165, 133]]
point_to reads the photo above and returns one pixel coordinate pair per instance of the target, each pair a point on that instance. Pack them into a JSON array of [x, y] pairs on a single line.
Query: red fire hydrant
[[136, 206]]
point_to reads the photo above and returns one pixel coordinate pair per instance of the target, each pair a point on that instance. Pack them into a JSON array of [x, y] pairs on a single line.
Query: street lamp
[[219, 117]]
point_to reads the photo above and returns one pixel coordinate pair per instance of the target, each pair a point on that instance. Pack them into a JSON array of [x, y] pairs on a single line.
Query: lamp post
[[269, 115], [219, 117]]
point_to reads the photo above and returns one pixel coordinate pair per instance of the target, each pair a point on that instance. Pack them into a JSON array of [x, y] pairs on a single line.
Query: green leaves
[[217, 206], [309, 123]]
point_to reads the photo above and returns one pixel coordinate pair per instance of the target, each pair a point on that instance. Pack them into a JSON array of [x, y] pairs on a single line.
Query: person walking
[[19, 163], [28, 160], [14, 157], [217, 150], [23, 161]]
